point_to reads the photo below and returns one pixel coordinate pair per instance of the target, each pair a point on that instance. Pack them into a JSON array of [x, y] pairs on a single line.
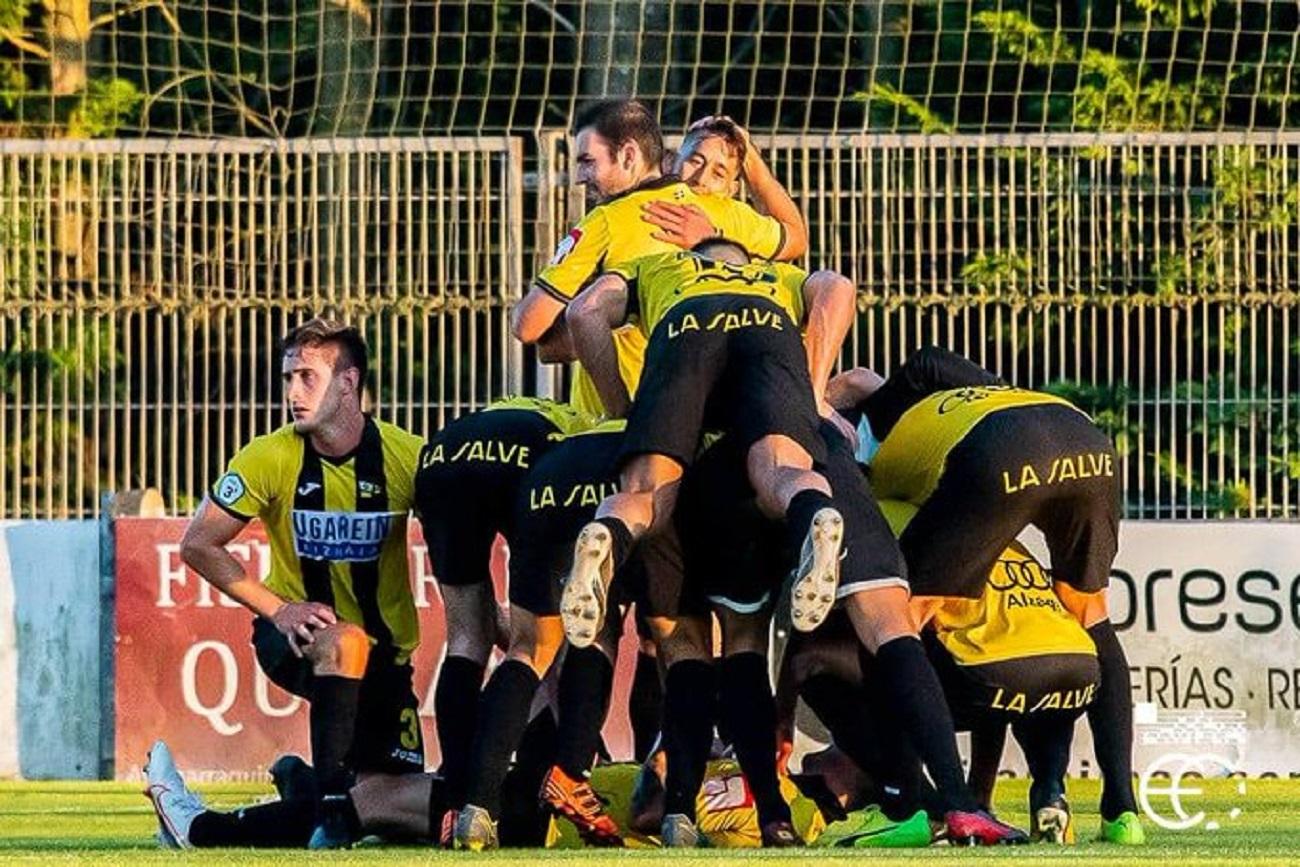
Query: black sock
[[747, 701], [524, 822], [689, 704], [279, 824], [621, 536], [1110, 716], [585, 682], [1045, 740], [455, 707], [914, 694], [645, 705], [504, 714], [799, 516], [333, 725]]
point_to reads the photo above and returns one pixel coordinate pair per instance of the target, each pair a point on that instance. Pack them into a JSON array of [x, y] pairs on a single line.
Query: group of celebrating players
[[852, 534]]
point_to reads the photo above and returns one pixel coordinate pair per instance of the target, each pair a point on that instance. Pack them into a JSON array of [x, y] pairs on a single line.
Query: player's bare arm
[[534, 315], [829, 299], [203, 549], [850, 388], [771, 196], [592, 318]]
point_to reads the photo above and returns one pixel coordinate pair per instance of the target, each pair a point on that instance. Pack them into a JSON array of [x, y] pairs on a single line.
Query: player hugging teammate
[[705, 474]]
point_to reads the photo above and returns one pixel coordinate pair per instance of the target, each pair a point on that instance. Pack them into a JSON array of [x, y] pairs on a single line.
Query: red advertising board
[[185, 670]]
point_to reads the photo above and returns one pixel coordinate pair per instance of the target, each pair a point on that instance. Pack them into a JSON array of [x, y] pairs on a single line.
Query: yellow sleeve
[[407, 448], [250, 482], [791, 279], [762, 236], [579, 256]]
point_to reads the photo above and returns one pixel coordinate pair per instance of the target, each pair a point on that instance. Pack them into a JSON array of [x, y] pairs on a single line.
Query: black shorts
[[1046, 465], [388, 737], [466, 490], [733, 363], [737, 557], [555, 502], [1060, 684]]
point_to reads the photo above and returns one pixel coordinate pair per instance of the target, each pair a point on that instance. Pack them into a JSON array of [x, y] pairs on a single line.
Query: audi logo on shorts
[[1019, 575]]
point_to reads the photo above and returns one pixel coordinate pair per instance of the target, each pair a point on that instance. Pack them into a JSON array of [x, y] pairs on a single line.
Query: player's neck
[[341, 436]]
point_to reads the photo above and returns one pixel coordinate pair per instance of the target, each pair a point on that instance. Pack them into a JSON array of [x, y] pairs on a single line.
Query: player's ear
[[628, 155]]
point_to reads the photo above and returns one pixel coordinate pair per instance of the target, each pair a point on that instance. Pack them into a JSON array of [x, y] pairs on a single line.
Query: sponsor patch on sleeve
[[566, 246], [229, 489]]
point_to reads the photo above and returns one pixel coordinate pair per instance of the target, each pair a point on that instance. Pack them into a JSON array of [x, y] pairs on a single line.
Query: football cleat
[[331, 831], [293, 778], [979, 828], [812, 595], [679, 832], [475, 829], [576, 801], [174, 804], [780, 835], [870, 828], [582, 604], [1052, 823], [1125, 829]]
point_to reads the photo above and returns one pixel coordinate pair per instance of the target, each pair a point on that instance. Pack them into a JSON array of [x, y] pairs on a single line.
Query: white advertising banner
[[1209, 615]]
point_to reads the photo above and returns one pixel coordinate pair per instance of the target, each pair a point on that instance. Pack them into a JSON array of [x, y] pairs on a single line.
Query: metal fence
[[1151, 278], [144, 285]]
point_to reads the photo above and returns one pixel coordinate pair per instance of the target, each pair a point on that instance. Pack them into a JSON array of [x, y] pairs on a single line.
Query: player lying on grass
[[981, 461], [335, 622], [411, 809], [1013, 656]]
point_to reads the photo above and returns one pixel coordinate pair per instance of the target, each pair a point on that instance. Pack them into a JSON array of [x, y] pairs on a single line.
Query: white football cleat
[[812, 595], [173, 802], [582, 604]]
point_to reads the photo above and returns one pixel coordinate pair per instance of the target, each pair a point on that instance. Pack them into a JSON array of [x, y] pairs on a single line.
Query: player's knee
[[535, 641], [341, 650]]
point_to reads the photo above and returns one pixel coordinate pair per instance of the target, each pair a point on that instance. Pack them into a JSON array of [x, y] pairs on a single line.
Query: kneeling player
[[1012, 656]]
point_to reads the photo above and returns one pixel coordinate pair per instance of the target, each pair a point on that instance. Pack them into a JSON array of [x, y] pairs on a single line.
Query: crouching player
[[1013, 656]]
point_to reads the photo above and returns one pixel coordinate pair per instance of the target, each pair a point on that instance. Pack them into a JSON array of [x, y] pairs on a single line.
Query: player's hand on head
[[297, 621], [683, 225]]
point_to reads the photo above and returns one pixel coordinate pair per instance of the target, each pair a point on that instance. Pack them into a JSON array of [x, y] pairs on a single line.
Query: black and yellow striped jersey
[[912, 457], [567, 418], [615, 232], [1016, 617], [336, 526], [663, 280]]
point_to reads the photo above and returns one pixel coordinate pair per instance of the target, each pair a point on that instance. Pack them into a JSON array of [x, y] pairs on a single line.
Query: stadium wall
[[52, 650]]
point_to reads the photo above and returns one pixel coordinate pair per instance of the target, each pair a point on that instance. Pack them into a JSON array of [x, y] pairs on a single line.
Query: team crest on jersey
[[229, 489], [566, 246], [367, 490], [341, 537]]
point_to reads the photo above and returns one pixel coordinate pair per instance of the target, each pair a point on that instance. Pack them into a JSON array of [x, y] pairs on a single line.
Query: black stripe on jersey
[[372, 496], [551, 290], [309, 495]]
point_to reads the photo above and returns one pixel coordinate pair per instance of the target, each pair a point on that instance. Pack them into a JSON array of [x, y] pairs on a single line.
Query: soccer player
[[1013, 656], [335, 622], [465, 492], [982, 461], [557, 498]]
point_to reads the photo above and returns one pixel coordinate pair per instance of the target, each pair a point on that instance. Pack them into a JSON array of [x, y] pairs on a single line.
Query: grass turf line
[[112, 823]]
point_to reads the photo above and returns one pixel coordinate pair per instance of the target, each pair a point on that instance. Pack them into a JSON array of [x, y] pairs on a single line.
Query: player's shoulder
[[399, 439], [279, 443]]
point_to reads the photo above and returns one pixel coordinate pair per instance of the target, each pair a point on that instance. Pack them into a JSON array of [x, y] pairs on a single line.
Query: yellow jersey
[[664, 280], [615, 232], [1018, 615], [724, 809], [567, 418], [336, 526], [912, 457]]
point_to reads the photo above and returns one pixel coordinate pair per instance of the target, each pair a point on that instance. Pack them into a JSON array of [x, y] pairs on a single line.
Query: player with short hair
[[982, 461], [335, 622]]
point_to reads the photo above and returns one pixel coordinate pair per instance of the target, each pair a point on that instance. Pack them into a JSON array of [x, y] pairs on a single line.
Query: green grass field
[[113, 823]]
